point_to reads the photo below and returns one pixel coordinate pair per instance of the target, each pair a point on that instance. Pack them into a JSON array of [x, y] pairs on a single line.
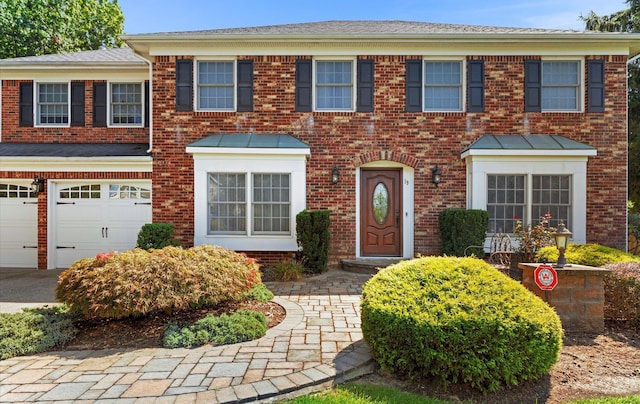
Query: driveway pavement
[[319, 344]]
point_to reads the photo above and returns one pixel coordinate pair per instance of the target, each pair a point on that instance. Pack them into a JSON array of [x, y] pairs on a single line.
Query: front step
[[368, 265]]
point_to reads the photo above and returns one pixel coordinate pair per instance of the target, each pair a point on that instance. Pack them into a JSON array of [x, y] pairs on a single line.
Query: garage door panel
[[18, 227]]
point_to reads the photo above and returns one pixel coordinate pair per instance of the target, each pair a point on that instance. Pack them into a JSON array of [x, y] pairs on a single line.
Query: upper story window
[[334, 85], [442, 85], [126, 104], [52, 104], [561, 85], [215, 85]]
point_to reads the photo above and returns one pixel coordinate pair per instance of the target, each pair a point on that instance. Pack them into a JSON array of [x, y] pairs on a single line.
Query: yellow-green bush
[[594, 255], [458, 319], [137, 282]]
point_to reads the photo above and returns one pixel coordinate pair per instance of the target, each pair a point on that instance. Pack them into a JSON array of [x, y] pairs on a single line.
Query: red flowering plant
[[104, 256], [532, 238]]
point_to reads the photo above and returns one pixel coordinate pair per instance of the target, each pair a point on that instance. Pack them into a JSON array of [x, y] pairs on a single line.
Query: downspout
[[150, 106], [626, 229]]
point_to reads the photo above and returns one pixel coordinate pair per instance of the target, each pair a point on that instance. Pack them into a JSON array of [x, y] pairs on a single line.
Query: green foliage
[[138, 282], [241, 326], [312, 233], [38, 27], [458, 319], [156, 235], [461, 228], [533, 238], [622, 292], [34, 331], [286, 271], [594, 255], [365, 393], [609, 400], [259, 293]]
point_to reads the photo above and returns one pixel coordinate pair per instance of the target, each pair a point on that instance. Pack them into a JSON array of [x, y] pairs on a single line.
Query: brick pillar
[[578, 298]]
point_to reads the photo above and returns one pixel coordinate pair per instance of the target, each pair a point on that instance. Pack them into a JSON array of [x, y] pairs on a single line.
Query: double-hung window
[[334, 85], [215, 85], [509, 199], [561, 85], [126, 104], [443, 86], [268, 213], [52, 104]]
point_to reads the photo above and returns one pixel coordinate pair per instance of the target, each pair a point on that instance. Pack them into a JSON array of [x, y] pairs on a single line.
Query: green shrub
[[156, 235], [259, 293], [241, 326], [461, 228], [34, 331], [594, 255], [622, 292], [458, 319], [137, 282], [286, 271], [312, 234]]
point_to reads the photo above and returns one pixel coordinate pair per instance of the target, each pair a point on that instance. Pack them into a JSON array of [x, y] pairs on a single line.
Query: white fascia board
[[528, 153], [69, 73], [77, 164], [249, 151]]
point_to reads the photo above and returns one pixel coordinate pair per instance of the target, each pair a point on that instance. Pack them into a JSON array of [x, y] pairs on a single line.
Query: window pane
[[552, 194], [442, 72], [560, 85], [334, 73], [560, 73], [442, 98], [126, 103], [227, 206], [271, 203], [443, 86], [216, 97], [334, 85], [333, 97], [53, 106], [505, 202], [215, 85]]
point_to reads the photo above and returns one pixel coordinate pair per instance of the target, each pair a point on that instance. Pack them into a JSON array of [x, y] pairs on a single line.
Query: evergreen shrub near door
[[138, 282], [312, 233], [156, 235], [458, 319], [461, 228]]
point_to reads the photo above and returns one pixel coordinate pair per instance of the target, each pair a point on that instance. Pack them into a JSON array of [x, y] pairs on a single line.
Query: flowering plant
[[533, 238], [103, 256]]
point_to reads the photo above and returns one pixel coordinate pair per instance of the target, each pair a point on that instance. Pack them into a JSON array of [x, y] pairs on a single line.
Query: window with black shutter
[[475, 84], [184, 85], [26, 104], [304, 81], [365, 86]]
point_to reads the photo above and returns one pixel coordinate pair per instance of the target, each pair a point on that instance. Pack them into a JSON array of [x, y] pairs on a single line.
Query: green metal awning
[[528, 144], [251, 141]]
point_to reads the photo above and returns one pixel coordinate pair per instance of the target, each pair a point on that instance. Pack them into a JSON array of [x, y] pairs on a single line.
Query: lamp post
[[37, 185], [562, 236], [436, 175]]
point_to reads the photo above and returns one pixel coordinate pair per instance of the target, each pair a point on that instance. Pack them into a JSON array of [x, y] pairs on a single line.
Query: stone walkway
[[318, 345]]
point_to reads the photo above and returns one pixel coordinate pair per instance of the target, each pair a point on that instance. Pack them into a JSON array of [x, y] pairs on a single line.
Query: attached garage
[[18, 226], [94, 217]]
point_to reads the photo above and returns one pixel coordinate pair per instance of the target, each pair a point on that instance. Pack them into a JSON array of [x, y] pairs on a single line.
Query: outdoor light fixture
[[37, 185], [335, 175], [562, 236], [435, 175]]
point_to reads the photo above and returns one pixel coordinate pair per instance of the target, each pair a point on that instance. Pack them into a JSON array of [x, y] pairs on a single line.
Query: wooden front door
[[380, 213]]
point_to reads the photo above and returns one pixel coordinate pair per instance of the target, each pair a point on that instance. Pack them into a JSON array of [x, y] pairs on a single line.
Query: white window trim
[[196, 76], [249, 161], [479, 166], [581, 84], [110, 123], [36, 104], [354, 82], [463, 84]]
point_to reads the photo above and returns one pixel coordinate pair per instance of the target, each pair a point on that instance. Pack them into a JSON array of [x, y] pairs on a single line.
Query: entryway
[[381, 212]]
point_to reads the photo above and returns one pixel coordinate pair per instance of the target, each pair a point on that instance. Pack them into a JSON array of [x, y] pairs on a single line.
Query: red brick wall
[[12, 132], [420, 140]]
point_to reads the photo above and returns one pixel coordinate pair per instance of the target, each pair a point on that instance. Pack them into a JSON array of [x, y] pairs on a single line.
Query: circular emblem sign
[[545, 277]]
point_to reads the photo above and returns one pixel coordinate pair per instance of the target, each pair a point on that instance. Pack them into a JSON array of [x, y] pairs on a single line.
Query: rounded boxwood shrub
[[594, 255], [458, 319], [138, 282]]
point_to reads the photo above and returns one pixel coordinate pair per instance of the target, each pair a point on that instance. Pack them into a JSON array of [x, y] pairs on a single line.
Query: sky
[[147, 16]]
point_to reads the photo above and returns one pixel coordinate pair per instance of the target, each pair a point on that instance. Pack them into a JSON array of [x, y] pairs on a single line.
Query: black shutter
[[184, 85], [304, 81], [365, 86], [414, 85], [26, 104], [99, 104], [595, 90], [146, 104], [77, 103], [245, 85], [475, 84], [532, 86]]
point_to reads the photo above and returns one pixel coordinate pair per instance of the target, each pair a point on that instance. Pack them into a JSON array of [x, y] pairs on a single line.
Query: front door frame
[[407, 211]]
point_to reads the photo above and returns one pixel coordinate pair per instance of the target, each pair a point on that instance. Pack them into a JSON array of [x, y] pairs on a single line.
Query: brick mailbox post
[[578, 296]]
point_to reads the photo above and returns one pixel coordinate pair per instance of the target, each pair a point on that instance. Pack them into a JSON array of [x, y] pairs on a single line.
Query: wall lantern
[[37, 185], [562, 236], [436, 175], [335, 175]]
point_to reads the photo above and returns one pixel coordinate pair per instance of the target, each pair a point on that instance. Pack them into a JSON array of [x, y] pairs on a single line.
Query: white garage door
[[18, 226], [98, 217]]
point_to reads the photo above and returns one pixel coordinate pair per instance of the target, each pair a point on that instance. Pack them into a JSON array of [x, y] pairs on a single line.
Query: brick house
[[227, 134]]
